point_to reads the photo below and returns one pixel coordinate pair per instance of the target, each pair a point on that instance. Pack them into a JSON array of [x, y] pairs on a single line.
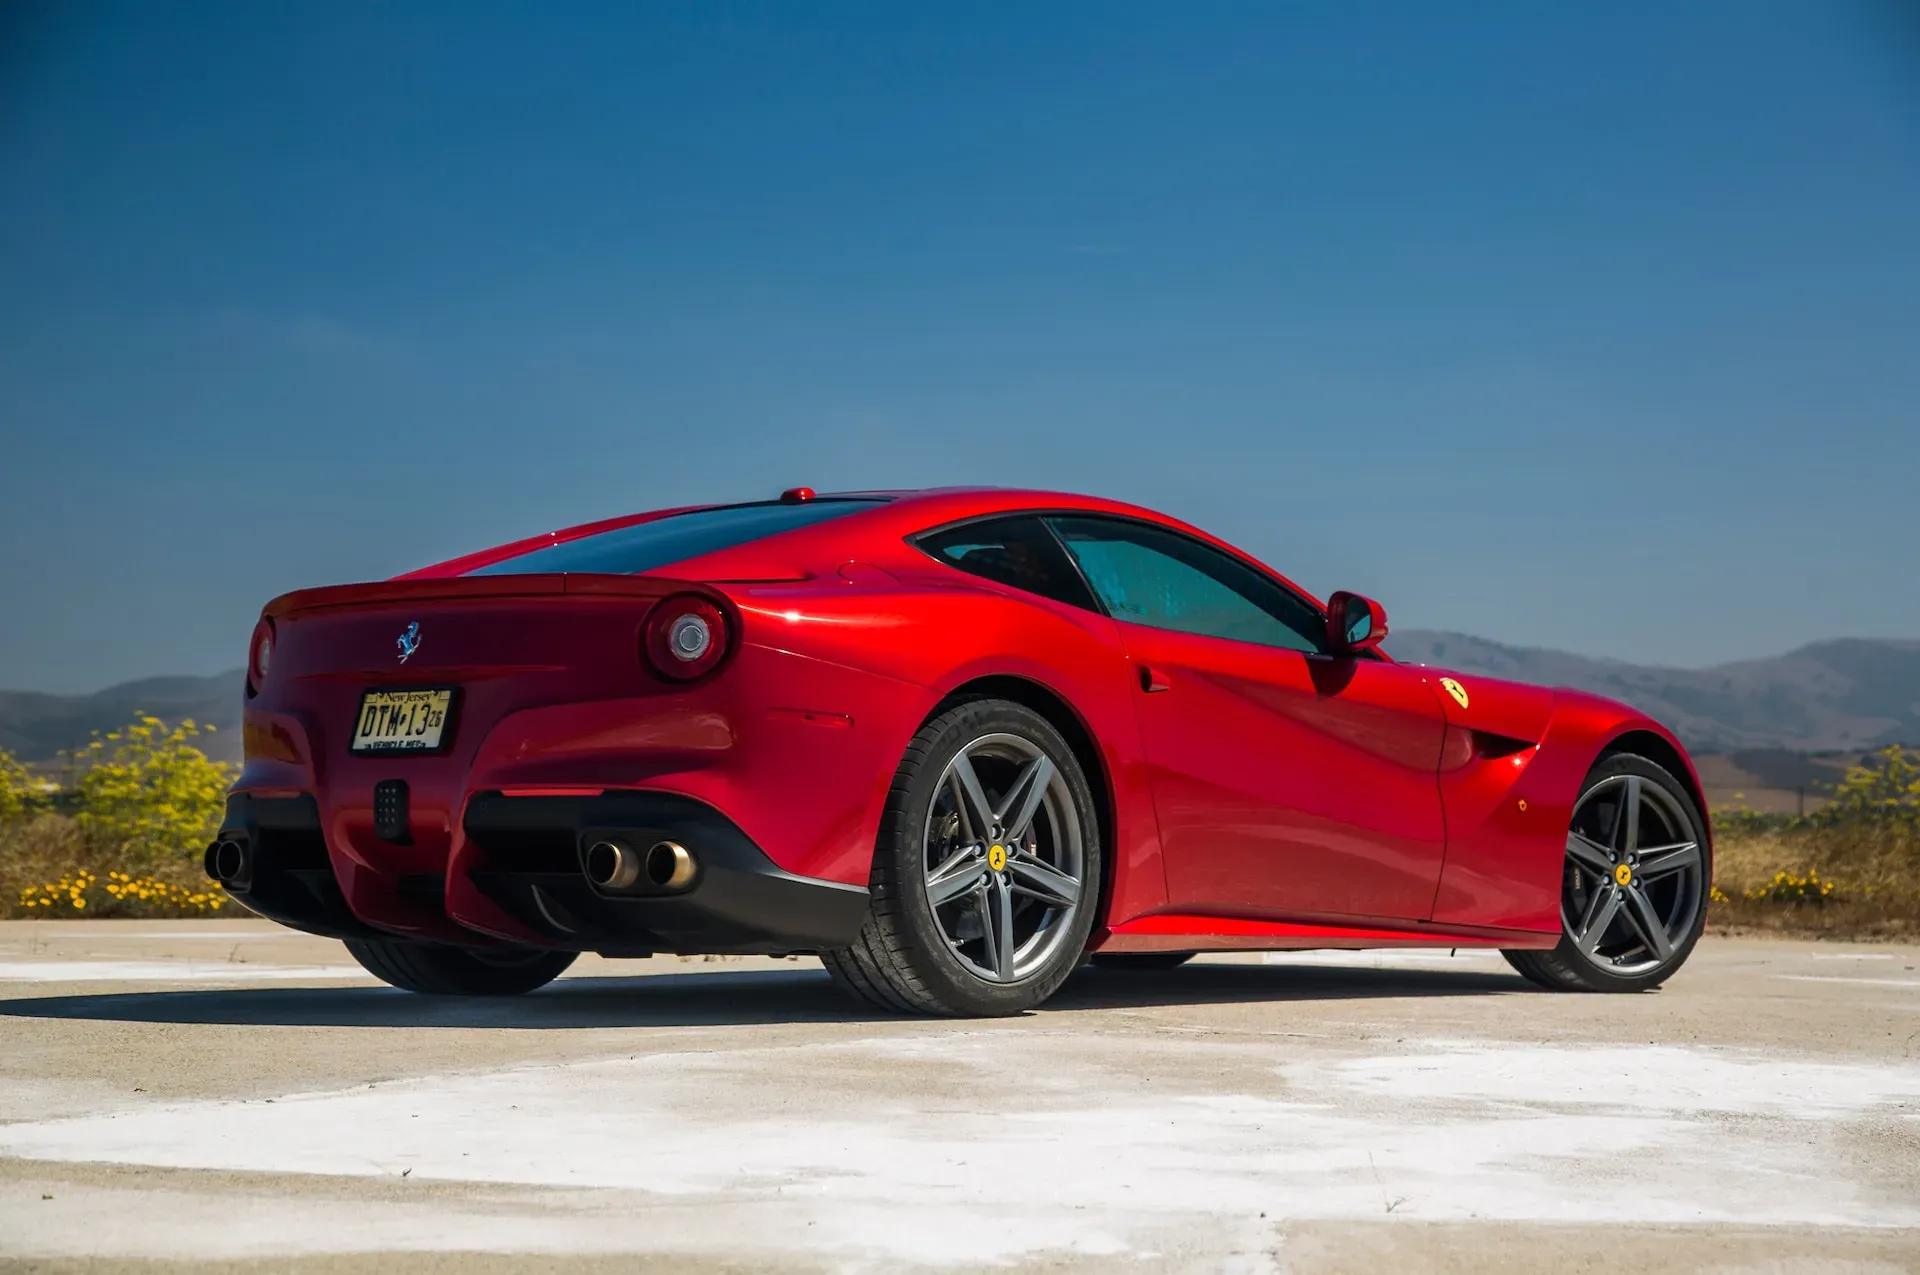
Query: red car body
[[1252, 797]]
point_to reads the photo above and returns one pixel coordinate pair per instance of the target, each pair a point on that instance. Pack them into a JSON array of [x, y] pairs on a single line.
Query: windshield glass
[[647, 546]]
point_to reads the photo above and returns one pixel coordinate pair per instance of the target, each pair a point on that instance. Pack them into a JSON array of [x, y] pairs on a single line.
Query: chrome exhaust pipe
[[612, 865], [669, 866], [226, 861], [617, 867]]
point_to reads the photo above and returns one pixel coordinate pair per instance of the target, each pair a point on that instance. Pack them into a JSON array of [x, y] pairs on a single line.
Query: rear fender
[[940, 636]]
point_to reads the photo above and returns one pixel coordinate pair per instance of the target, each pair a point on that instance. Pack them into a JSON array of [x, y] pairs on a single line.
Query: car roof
[[895, 515]]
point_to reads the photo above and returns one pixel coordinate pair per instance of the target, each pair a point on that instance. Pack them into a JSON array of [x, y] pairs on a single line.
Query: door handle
[[1153, 680]]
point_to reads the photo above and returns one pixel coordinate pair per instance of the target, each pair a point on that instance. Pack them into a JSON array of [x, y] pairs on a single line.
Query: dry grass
[[49, 869], [1858, 881], [36, 850]]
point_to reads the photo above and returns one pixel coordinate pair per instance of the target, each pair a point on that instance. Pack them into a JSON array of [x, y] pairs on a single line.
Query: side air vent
[[1488, 746]]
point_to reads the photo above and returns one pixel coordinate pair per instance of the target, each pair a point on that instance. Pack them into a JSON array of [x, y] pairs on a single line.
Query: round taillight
[[686, 637], [260, 656]]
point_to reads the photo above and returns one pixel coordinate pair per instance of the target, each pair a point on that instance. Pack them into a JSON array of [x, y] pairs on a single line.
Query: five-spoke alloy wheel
[[1633, 895], [1003, 897], [987, 871]]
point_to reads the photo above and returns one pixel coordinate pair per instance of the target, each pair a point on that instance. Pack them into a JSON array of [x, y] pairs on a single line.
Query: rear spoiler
[[455, 588]]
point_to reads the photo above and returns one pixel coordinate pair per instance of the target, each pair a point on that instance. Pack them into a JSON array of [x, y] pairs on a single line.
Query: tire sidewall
[[1611, 766], [952, 982], [437, 969]]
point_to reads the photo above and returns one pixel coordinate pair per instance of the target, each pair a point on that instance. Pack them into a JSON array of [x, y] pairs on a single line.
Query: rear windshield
[[647, 546]]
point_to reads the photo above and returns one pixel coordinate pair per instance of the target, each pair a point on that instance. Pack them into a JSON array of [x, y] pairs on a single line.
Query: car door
[[1288, 783]]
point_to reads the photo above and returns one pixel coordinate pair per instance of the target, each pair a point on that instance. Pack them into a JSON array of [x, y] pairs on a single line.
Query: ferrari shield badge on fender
[[1456, 690]]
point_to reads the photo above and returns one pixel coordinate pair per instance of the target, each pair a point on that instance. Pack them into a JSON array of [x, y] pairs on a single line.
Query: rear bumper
[[522, 859], [287, 875], [528, 861]]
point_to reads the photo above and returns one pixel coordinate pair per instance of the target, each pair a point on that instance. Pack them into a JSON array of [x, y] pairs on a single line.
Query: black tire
[[1564, 967], [1141, 960], [437, 969], [902, 961]]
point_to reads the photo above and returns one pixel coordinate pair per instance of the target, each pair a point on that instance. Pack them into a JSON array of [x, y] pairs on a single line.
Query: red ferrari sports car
[[954, 742]]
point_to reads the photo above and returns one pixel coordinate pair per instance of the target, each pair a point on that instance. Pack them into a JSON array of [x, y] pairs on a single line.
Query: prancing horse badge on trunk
[[409, 641]]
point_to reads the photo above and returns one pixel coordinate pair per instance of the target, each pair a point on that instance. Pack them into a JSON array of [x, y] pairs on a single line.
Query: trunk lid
[[498, 643]]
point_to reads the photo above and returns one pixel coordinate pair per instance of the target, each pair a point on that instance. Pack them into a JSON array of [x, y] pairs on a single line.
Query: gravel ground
[[226, 1095]]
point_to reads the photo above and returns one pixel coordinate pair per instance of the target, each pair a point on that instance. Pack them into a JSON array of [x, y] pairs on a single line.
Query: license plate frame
[[430, 742]]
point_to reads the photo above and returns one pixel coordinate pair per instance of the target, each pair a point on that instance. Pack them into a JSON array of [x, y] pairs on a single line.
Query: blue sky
[[1583, 326]]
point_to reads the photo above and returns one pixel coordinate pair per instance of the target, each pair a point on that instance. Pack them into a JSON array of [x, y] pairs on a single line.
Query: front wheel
[[986, 876], [1633, 892], [440, 970]]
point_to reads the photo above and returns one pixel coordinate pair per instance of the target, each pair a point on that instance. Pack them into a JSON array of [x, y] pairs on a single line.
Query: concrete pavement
[[225, 1091]]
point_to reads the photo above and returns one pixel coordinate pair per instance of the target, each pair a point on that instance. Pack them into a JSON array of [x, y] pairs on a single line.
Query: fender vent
[[1488, 746]]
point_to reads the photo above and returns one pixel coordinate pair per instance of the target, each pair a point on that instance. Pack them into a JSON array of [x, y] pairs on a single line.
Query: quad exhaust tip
[[615, 865]]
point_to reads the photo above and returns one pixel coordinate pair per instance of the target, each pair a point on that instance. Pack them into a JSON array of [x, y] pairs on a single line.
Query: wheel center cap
[[997, 857], [1623, 874]]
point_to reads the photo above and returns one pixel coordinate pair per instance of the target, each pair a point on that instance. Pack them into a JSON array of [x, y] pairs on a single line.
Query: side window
[[1149, 576], [1019, 552]]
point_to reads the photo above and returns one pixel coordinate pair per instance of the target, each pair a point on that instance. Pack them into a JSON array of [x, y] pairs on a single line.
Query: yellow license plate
[[402, 721]]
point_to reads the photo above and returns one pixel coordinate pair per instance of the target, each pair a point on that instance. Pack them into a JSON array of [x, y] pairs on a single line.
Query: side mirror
[[1354, 623]]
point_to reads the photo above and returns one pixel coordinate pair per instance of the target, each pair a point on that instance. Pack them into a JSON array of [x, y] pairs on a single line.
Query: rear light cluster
[[686, 637], [260, 654]]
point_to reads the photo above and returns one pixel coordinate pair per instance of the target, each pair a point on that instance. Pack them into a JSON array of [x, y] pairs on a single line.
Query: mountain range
[[1847, 695], [38, 728]]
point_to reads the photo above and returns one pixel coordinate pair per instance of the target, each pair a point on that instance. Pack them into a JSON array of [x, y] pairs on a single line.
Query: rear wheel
[[1141, 960], [987, 870], [1633, 892], [440, 970]]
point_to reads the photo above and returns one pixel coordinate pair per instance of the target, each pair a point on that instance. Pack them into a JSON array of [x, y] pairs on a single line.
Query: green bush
[[125, 838], [1884, 792], [18, 795], [147, 795]]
